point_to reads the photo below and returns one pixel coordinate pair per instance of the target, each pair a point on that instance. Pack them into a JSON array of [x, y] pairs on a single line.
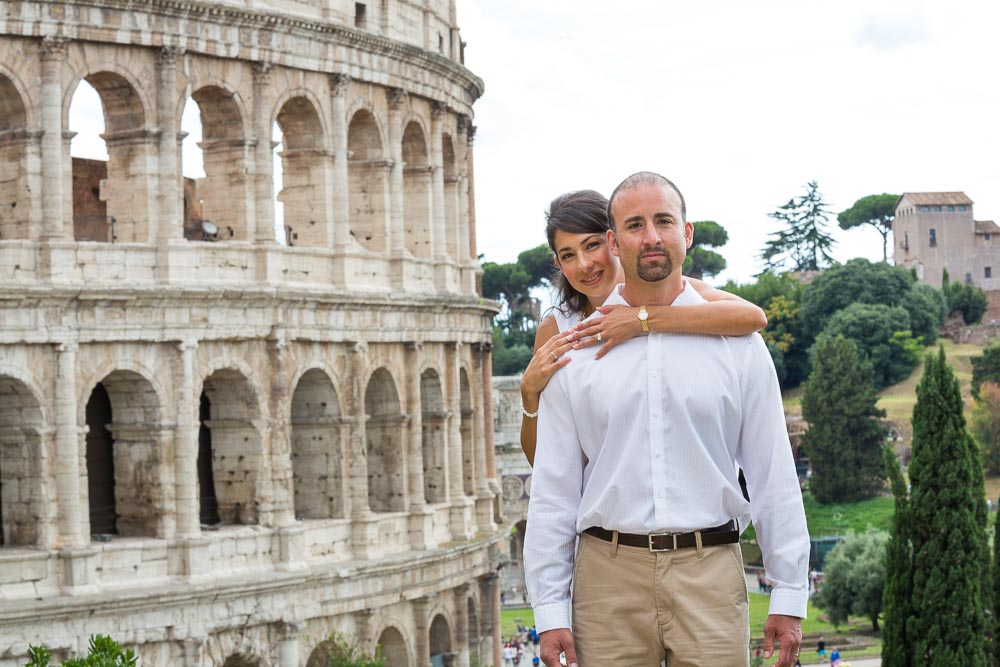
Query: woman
[[576, 227]]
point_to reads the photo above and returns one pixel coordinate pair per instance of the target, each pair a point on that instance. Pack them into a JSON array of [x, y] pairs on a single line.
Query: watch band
[[643, 315]]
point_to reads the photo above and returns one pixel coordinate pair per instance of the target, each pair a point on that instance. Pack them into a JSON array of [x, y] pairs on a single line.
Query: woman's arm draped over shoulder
[[725, 314], [547, 359]]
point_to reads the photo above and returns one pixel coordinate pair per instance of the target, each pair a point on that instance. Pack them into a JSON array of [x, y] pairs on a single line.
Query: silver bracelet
[[529, 415]]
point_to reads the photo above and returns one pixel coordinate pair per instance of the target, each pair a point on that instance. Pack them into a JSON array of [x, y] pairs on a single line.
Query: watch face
[[643, 315]]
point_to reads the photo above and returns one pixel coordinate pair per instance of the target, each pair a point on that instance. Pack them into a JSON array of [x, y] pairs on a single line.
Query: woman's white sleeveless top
[[565, 319]]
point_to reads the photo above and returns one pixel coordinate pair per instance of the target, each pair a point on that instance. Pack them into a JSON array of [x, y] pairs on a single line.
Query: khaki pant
[[636, 608]]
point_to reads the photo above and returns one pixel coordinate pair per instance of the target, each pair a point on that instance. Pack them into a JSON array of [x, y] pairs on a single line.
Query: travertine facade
[[515, 478], [220, 452], [934, 231]]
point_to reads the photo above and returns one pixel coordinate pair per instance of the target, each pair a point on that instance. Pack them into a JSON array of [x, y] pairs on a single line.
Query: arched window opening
[[317, 475], [417, 193], [453, 228], [368, 177], [433, 445], [100, 466], [225, 191], [384, 434], [465, 428], [440, 642], [394, 648], [236, 458], [305, 164], [112, 193], [21, 511], [18, 165], [208, 510]]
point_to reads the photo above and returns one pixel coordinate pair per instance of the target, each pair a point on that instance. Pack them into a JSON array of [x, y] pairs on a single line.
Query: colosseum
[[219, 448]]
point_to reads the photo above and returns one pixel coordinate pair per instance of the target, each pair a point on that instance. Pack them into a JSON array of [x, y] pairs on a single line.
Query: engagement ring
[[598, 336], [554, 357]]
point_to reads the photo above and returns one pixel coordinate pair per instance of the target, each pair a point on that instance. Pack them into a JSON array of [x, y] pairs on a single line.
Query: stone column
[[439, 242], [263, 209], [421, 516], [170, 192], [461, 506], [282, 501], [462, 169], [484, 495], [486, 350], [186, 447], [288, 645], [341, 184], [490, 595], [422, 631], [365, 622], [358, 446], [396, 235], [71, 518], [461, 626], [53, 53], [470, 175]]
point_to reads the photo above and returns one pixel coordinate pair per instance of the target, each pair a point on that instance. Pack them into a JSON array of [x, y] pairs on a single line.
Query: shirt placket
[[655, 440]]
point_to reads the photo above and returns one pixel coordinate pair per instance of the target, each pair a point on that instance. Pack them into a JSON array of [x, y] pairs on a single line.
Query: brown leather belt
[[710, 537]]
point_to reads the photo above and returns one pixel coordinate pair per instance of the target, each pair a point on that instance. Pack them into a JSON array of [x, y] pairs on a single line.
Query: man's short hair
[[640, 179]]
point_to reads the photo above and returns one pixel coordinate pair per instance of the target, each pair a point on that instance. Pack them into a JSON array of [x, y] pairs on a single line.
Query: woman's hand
[[618, 325], [546, 360]]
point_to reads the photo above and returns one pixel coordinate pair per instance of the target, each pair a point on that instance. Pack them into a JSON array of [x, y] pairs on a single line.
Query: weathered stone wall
[[277, 442]]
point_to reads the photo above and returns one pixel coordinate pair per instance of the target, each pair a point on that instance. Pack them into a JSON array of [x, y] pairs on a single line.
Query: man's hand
[[555, 642], [787, 630]]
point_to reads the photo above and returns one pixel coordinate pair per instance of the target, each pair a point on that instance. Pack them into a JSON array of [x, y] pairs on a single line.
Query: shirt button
[[654, 373], [656, 454], [660, 495], [656, 415]]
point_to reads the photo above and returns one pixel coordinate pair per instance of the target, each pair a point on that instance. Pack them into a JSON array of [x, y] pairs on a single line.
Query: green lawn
[[827, 520]]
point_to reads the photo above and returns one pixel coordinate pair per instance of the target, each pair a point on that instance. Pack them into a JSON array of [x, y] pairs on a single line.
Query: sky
[[740, 104]]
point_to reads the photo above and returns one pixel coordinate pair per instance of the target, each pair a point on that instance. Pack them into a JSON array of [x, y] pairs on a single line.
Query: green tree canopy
[[804, 243], [984, 422], [947, 527], [845, 437], [964, 298], [876, 210], [853, 578], [896, 602], [986, 367], [882, 334], [701, 262]]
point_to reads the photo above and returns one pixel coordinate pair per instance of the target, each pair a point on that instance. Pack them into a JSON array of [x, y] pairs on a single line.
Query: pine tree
[[845, 436], [804, 244], [896, 603], [947, 521]]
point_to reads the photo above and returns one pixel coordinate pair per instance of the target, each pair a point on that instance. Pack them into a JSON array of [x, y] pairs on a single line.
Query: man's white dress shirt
[[650, 439]]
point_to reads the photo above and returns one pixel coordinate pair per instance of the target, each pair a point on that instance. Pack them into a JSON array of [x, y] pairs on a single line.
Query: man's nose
[[649, 235]]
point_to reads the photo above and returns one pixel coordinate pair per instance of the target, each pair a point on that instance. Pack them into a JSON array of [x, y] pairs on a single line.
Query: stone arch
[[441, 646], [118, 211], [417, 191], [466, 431], [127, 481], [452, 189], [22, 512], [317, 459], [433, 440], [305, 165], [394, 647], [15, 148], [230, 458], [368, 176], [227, 188], [384, 435]]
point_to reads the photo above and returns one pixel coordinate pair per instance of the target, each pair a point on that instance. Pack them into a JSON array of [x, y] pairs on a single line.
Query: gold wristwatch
[[643, 316]]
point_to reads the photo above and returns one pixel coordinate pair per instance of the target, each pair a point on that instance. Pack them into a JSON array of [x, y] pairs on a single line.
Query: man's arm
[[776, 508], [556, 487]]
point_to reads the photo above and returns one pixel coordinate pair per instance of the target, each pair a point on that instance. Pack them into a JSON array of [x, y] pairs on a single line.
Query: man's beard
[[654, 272]]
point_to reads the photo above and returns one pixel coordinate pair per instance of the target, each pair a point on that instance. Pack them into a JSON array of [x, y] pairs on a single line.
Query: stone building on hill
[[934, 231], [216, 448]]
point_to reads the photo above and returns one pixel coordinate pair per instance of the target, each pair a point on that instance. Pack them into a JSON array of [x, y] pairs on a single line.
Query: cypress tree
[[896, 603], [845, 436], [946, 520]]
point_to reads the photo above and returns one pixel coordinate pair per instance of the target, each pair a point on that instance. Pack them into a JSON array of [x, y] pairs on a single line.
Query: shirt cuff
[[552, 616], [789, 602]]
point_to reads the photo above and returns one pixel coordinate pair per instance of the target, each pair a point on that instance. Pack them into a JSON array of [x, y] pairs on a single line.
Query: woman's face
[[587, 263]]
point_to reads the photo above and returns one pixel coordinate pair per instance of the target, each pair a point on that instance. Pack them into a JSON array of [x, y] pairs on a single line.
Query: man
[[638, 456]]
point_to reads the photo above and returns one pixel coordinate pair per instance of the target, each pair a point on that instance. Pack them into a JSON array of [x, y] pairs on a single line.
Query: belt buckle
[[673, 536]]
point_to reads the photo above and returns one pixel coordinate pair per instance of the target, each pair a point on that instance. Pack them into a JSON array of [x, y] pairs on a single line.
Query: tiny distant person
[[638, 458]]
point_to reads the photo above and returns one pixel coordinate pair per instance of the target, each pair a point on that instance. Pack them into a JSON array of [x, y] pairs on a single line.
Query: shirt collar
[[687, 297]]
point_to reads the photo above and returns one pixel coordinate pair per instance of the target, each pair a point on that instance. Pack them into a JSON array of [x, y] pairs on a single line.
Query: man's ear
[[688, 234], [612, 241]]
